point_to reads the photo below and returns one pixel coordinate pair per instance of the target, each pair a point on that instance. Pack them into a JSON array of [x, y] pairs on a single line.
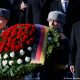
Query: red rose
[[20, 29], [13, 34], [26, 28], [33, 28], [6, 49], [9, 39], [19, 42], [5, 38], [1, 43], [28, 25], [23, 33], [24, 38], [31, 41], [1, 49], [18, 36], [18, 48], [14, 40], [3, 33], [13, 48], [8, 44], [30, 33], [28, 42], [19, 32]]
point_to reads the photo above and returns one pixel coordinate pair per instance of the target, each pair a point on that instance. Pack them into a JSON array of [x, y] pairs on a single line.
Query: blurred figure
[[14, 7], [56, 66], [67, 7], [16, 14], [7, 5], [4, 17], [33, 7], [60, 5], [31, 11], [74, 59]]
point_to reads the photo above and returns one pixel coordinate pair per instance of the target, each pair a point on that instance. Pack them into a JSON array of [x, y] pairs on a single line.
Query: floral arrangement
[[53, 41], [15, 50], [16, 46], [14, 38]]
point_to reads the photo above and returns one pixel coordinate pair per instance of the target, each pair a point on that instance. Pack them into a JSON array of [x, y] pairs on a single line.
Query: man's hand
[[72, 69], [23, 6]]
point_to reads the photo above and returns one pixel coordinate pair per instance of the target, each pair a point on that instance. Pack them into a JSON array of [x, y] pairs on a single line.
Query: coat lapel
[[42, 2], [11, 1]]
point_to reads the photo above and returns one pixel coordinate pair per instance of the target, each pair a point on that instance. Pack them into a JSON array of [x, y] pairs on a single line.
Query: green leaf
[[11, 72], [50, 48], [5, 68]]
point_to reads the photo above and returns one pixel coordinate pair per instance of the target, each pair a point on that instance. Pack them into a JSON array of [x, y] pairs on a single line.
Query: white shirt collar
[[62, 1]]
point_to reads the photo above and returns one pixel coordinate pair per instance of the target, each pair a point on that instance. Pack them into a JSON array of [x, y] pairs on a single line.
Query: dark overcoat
[[74, 58]]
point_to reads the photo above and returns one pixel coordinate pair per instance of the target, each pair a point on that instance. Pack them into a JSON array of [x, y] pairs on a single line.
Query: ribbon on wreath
[[39, 49]]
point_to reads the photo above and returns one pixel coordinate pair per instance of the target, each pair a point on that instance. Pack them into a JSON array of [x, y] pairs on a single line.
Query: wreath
[[16, 47], [15, 51], [53, 42]]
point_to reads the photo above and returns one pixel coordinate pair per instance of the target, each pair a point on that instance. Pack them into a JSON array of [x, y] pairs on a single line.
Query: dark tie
[[65, 6]]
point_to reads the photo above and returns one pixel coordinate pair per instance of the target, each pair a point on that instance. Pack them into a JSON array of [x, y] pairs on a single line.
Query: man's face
[[3, 22], [54, 24]]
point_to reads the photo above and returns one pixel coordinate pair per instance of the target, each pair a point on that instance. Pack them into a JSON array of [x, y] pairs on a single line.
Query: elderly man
[[75, 51], [4, 17], [56, 65]]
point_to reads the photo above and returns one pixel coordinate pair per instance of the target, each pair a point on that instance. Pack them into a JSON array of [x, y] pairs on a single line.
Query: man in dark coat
[[14, 7], [34, 7], [56, 65], [60, 5], [72, 16], [74, 59], [31, 11], [15, 11]]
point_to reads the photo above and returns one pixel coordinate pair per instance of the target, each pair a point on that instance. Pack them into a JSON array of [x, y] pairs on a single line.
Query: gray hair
[[56, 15]]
